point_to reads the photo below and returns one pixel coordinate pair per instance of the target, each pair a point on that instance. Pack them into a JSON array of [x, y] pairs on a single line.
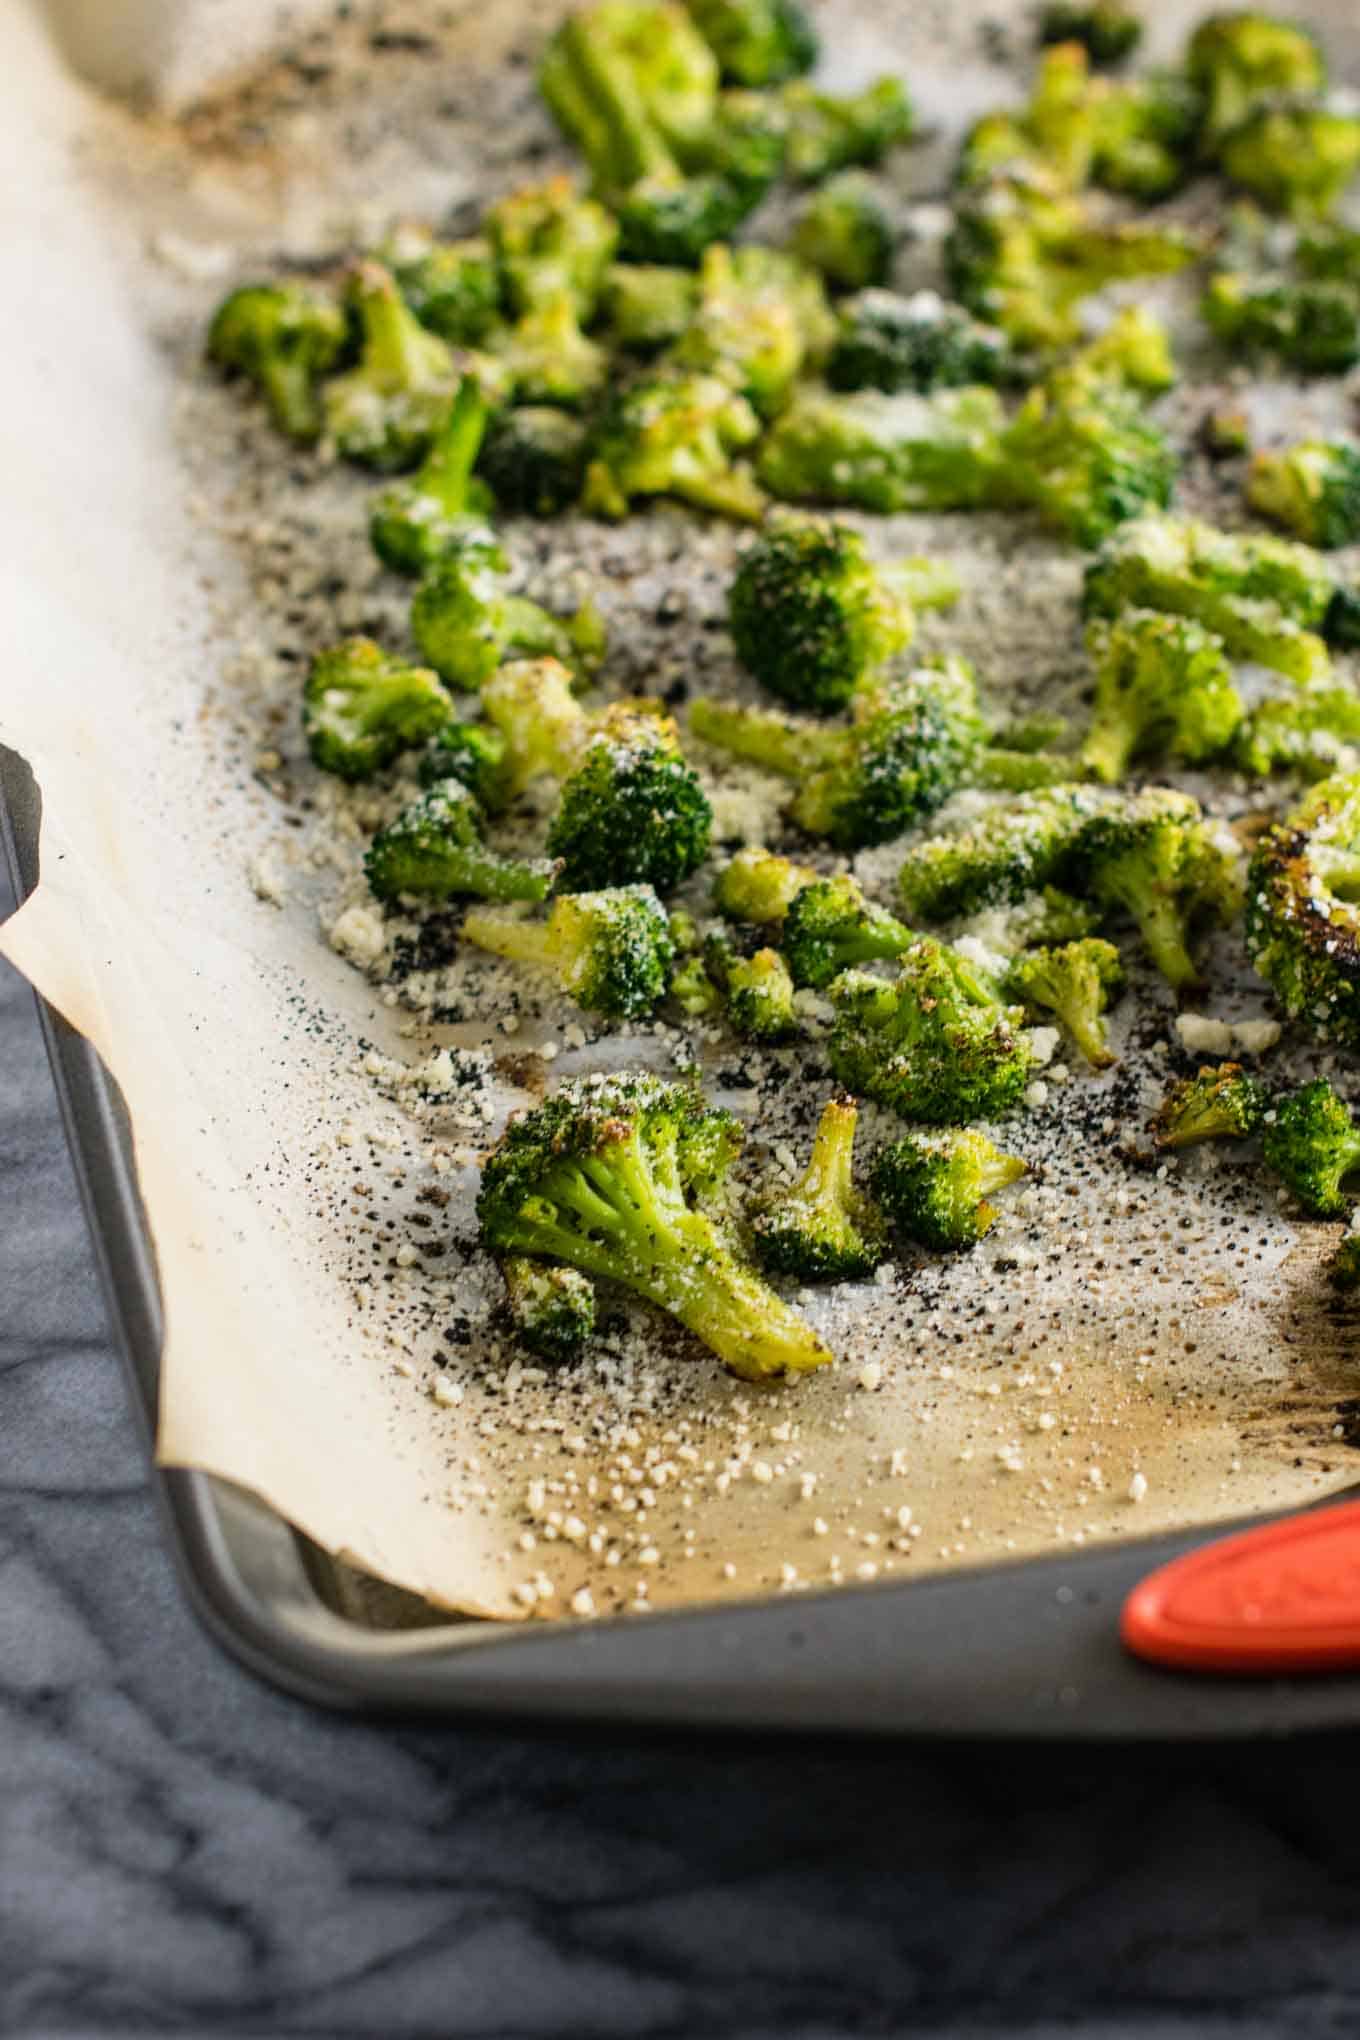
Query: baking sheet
[[332, 1341]]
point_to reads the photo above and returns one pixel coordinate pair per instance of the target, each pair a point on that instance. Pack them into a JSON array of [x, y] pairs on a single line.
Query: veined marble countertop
[[182, 1851]]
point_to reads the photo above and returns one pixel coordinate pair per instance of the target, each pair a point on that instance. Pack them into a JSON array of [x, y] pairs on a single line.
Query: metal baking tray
[[1029, 1648]]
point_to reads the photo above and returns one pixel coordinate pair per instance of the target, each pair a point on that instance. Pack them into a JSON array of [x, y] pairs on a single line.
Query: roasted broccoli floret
[[1296, 159], [384, 412], [534, 459], [831, 927], [1263, 596], [434, 851], [284, 337], [936, 1044], [1312, 1146], [1162, 684], [757, 990], [1240, 61], [1076, 982], [1225, 432], [1083, 453], [887, 342], [610, 951], [758, 886], [692, 989], [362, 706], [1011, 850], [603, 1177], [1303, 920], [1221, 1103], [1306, 731], [827, 133], [551, 241], [550, 360], [823, 1229], [542, 726], [1146, 131], [647, 305], [1053, 135], [843, 230], [632, 811], [756, 42], [886, 453], [413, 522], [1107, 30], [1312, 489], [1311, 325], [453, 287], [759, 318], [1170, 874], [908, 748], [473, 753], [552, 1309], [935, 1189], [675, 437], [466, 624], [811, 614]]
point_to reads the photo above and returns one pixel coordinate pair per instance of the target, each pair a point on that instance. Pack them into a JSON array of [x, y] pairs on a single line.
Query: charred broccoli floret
[[831, 927], [284, 337], [823, 1229], [610, 951], [935, 1189], [1312, 1146], [1312, 489], [542, 726], [466, 625], [1162, 684], [384, 412], [843, 230], [1107, 30], [756, 42], [759, 318], [888, 342], [1240, 61], [1303, 920], [1083, 453], [1263, 596], [473, 753], [413, 522], [936, 1044], [1012, 849], [453, 287], [362, 706], [1295, 158], [632, 811], [552, 1309], [757, 990], [647, 305], [604, 1176], [534, 459], [675, 437], [903, 755], [1344, 1268], [759, 887], [1170, 874], [828, 133], [1076, 982], [812, 615], [1221, 1103], [1307, 731], [434, 851], [1311, 325], [886, 453]]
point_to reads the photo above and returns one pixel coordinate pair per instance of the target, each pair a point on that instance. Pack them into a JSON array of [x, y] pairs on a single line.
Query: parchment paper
[[1128, 1350]]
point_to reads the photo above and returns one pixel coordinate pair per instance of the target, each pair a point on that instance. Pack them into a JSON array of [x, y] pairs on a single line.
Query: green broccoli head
[[1312, 489], [692, 989], [812, 615], [542, 726], [453, 287], [1308, 731], [1162, 684], [1075, 981], [362, 707], [1011, 850], [466, 625], [843, 231], [904, 452], [632, 811], [1303, 921], [1053, 136], [1294, 158], [823, 1229], [552, 1309], [551, 243], [384, 412], [828, 133], [1311, 325], [935, 1189], [760, 317], [891, 343], [1108, 30], [1170, 873], [604, 1176], [284, 337], [758, 886], [533, 459], [1220, 1103], [434, 851], [413, 522], [830, 927], [757, 989], [1146, 132], [1239, 61], [937, 1044], [1312, 1147], [647, 305], [1082, 451], [756, 42], [609, 951], [473, 753], [675, 437]]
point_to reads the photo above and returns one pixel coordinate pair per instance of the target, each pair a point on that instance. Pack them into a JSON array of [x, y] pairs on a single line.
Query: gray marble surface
[[182, 1851]]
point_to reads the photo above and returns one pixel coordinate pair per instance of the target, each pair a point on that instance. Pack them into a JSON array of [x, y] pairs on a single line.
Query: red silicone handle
[[1284, 1598]]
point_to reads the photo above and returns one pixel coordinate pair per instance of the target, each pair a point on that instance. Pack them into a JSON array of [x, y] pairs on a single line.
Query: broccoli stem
[[1079, 1011], [763, 737], [828, 1181], [447, 469], [733, 494], [507, 935], [1161, 924], [530, 632], [1108, 747], [1017, 771], [396, 346], [921, 583]]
